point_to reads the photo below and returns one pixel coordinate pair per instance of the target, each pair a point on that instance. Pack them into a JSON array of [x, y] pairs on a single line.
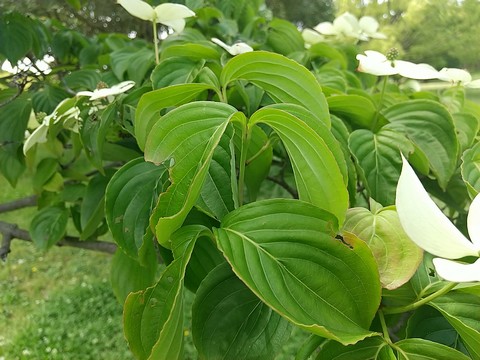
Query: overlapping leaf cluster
[[264, 181]]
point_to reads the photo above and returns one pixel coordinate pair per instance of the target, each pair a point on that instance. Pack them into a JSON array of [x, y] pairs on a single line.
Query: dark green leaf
[[48, 227], [284, 37], [368, 349], [419, 349], [185, 141], [285, 251], [230, 322], [175, 70], [430, 126], [130, 197], [152, 103], [359, 111], [283, 79]]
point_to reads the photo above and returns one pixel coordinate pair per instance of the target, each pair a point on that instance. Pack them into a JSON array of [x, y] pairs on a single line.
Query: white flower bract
[[458, 77], [430, 229], [106, 92], [236, 49], [168, 14], [375, 63]]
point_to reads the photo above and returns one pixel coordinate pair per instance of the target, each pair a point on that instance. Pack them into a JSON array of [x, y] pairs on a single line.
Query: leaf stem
[[386, 334], [417, 304], [155, 42]]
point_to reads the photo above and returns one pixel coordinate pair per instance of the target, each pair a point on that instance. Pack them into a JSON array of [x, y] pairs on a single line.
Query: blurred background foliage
[[443, 33]]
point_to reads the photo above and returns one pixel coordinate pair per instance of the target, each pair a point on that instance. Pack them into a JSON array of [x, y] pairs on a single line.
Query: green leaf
[[185, 140], [134, 62], [317, 172], [219, 192], [467, 126], [128, 275], [46, 168], [48, 98], [283, 79], [14, 115], [198, 51], [430, 126], [368, 349], [322, 50], [175, 70], [359, 111], [130, 197], [471, 169], [48, 227], [93, 204], [284, 37], [93, 134], [153, 318], [420, 349], [378, 156], [397, 256], [152, 103], [16, 37], [429, 324], [461, 310], [230, 322], [285, 251], [85, 79]]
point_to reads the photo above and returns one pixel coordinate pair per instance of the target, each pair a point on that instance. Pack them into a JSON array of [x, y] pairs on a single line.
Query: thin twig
[[11, 231], [284, 185], [18, 204]]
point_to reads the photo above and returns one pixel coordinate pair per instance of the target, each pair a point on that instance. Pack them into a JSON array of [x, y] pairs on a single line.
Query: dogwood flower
[[376, 63], [65, 111], [311, 37], [347, 25], [236, 49], [458, 77], [105, 92], [168, 14], [431, 230]]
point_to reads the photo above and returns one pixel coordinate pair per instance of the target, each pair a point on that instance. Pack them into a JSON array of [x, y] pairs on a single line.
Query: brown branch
[[11, 231], [18, 204], [284, 185]]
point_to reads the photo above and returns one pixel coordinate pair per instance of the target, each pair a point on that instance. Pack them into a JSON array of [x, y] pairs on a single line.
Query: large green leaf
[[48, 226], [192, 51], [129, 199], [230, 322], [283, 79], [175, 70], [219, 192], [467, 127], [374, 348], [14, 115], [317, 172], [430, 126], [357, 110], [471, 169], [93, 134], [378, 156], [429, 324], [16, 36], [461, 309], [286, 252], [152, 103], [135, 62], [397, 256], [284, 37], [93, 205], [153, 318], [85, 79], [420, 349], [185, 140], [128, 275]]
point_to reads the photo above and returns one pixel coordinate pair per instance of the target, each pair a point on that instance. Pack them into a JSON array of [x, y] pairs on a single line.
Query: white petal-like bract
[[457, 272], [425, 223], [138, 8]]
